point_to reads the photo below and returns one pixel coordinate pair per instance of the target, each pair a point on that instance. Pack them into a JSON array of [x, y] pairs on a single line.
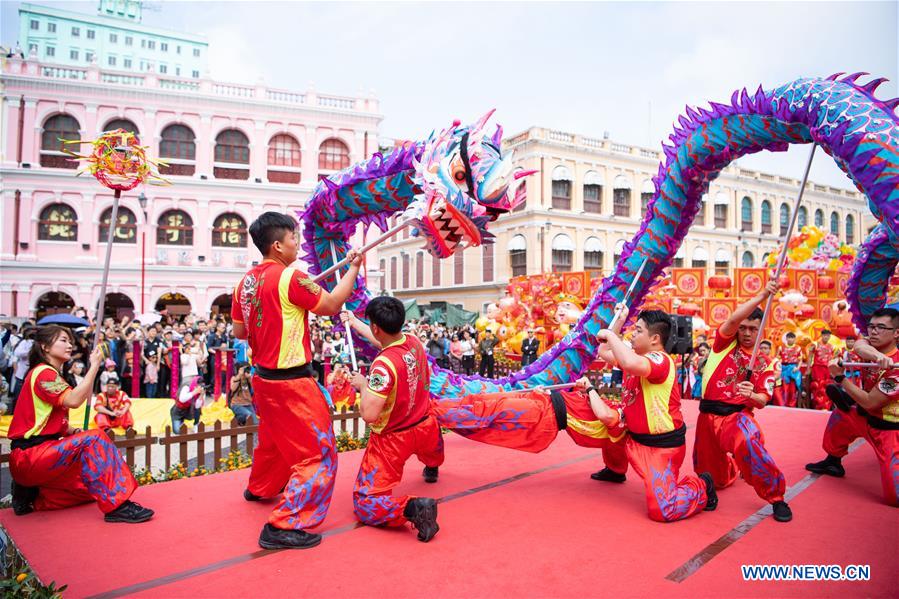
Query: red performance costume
[[791, 377], [405, 428], [822, 354], [656, 443], [297, 450], [66, 470], [116, 402], [726, 424], [880, 428]]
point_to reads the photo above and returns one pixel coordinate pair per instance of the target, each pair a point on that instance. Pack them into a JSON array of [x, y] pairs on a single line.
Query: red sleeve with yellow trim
[[721, 342], [51, 388], [303, 291], [659, 367], [381, 379]]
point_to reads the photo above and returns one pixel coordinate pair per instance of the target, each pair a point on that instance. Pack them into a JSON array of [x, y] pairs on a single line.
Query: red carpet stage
[[512, 525]]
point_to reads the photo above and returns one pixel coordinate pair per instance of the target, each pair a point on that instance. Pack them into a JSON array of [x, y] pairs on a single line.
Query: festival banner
[[718, 310], [660, 303], [842, 279], [824, 310], [576, 284], [519, 286], [806, 282], [688, 282], [750, 281], [779, 314]]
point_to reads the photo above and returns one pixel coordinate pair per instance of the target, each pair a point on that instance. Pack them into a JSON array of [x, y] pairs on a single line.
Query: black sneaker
[[422, 513], [609, 476], [250, 497], [831, 466], [22, 499], [278, 538], [782, 512], [430, 474], [712, 495], [839, 397], [129, 512]]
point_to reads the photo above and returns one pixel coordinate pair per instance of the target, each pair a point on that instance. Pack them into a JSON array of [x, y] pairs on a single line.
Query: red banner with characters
[[824, 310], [779, 314], [576, 284], [750, 281], [718, 310], [806, 281], [842, 283], [689, 282]]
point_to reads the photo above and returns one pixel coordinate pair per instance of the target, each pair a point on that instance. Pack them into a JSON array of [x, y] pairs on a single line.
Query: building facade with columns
[[233, 150], [589, 197]]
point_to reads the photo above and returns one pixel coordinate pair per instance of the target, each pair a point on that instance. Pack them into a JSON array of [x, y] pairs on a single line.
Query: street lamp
[[142, 200]]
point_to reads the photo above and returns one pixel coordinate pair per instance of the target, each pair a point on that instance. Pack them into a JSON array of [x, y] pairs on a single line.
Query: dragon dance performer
[[819, 357], [54, 466], [530, 420], [726, 426], [296, 451], [395, 402], [656, 441], [869, 411], [790, 356]]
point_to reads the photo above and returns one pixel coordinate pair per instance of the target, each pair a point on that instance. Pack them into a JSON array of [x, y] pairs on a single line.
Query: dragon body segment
[[455, 182]]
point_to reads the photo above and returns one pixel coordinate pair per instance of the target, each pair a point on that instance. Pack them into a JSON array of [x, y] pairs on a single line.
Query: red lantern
[[784, 281], [825, 283], [805, 311], [688, 309], [720, 284]]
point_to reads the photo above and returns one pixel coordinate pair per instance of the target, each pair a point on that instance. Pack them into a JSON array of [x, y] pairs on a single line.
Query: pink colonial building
[[234, 151]]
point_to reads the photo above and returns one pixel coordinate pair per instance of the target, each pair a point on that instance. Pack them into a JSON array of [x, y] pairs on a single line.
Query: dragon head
[[464, 180]]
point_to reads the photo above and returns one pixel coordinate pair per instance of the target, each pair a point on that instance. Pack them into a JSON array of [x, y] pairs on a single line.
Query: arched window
[[593, 193], [835, 223], [58, 222], [766, 216], [592, 254], [175, 227], [746, 213], [748, 260], [722, 261], [819, 218], [125, 124], [283, 151], [518, 255], [125, 230], [784, 219], [561, 188], [178, 147], [333, 155], [232, 146], [700, 258], [56, 128], [562, 253], [850, 229], [487, 262], [619, 249], [229, 230], [803, 217], [646, 193], [621, 196]]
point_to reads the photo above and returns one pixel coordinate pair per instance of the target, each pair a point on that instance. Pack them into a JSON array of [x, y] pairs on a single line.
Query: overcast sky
[[625, 68]]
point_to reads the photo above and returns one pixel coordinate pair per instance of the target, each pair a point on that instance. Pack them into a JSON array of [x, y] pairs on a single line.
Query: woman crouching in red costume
[[54, 466]]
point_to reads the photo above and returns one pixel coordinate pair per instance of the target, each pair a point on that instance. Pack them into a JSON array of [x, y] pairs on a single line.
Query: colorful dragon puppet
[[457, 180]]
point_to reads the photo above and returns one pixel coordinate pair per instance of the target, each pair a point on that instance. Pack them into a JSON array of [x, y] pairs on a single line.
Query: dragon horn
[[521, 174], [498, 136], [482, 121]]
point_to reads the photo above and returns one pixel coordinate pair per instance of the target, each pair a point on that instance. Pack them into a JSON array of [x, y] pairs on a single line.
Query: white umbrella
[[149, 318]]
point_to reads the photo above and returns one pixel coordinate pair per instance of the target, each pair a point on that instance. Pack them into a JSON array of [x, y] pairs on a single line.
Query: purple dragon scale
[[457, 181]]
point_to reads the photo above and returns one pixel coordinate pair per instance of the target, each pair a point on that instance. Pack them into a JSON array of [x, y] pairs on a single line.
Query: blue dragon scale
[[457, 181]]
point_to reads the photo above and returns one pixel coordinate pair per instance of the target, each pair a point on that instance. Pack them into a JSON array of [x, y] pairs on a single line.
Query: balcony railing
[[205, 86]]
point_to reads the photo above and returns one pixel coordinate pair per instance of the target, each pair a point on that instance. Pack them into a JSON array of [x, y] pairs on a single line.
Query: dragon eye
[[459, 176]]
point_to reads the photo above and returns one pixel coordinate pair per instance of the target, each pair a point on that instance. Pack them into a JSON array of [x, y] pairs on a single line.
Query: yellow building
[[588, 198]]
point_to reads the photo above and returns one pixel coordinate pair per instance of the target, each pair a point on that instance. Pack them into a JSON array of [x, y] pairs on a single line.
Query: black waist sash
[[719, 408], [875, 422], [33, 441], [674, 438], [559, 409], [286, 374]]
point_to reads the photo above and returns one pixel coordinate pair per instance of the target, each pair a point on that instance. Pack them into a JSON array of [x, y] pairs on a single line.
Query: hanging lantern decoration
[[805, 311], [688, 309], [825, 283], [721, 284]]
